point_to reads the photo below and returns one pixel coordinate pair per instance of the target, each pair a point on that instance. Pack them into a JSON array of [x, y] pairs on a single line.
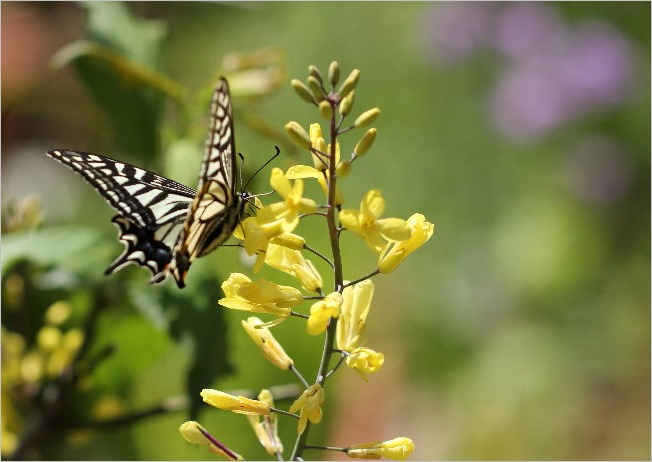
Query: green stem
[[333, 235]]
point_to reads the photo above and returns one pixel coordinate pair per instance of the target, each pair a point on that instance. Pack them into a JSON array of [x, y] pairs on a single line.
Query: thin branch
[[319, 254], [281, 411], [303, 215], [368, 276], [326, 448], [172, 404], [300, 376], [339, 363]]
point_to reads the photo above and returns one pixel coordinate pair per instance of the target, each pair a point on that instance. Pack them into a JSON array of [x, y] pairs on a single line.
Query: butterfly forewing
[[217, 207], [151, 208], [143, 197]]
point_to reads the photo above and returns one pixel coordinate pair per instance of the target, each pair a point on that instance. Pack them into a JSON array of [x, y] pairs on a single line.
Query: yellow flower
[[259, 297], [237, 404], [309, 403], [365, 361], [394, 252], [321, 162], [322, 311], [367, 222], [195, 433], [258, 231], [269, 346], [266, 427], [294, 203], [292, 262], [396, 449], [304, 171], [356, 301], [318, 144]]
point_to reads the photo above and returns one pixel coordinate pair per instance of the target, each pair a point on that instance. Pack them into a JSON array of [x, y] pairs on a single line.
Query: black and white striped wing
[[151, 209], [217, 207]]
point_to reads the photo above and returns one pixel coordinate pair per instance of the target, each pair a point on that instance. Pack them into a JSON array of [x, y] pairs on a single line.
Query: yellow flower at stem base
[[367, 223], [259, 297], [395, 252], [309, 403], [195, 433], [396, 449]]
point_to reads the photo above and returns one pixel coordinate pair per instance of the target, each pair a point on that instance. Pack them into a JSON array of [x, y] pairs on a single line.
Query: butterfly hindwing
[[151, 208]]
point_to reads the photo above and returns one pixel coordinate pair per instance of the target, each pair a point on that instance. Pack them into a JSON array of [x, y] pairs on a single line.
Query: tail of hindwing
[[141, 248]]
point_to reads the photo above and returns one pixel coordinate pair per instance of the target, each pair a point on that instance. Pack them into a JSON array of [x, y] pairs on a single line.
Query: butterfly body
[[163, 224]]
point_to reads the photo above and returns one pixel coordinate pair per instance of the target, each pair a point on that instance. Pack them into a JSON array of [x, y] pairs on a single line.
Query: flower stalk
[[340, 312]]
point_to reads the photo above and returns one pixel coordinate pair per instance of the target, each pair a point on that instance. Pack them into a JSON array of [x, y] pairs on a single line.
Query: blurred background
[[521, 330]]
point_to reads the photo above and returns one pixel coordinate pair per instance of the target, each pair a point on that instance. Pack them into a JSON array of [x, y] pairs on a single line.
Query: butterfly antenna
[[241, 166], [278, 152]]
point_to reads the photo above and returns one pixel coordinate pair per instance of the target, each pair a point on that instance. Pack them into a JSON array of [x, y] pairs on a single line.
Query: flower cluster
[[555, 73], [340, 312], [28, 369]]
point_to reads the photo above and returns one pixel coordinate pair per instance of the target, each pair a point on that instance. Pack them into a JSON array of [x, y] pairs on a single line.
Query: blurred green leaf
[[112, 24], [193, 318], [121, 73], [73, 248]]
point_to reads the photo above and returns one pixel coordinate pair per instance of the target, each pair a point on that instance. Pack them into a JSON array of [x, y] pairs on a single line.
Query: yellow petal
[[302, 171], [394, 229], [373, 204], [280, 183], [350, 219]]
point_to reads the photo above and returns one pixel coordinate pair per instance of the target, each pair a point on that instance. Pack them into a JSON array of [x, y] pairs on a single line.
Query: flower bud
[[334, 73], [289, 241], [48, 338], [316, 88], [58, 313], [365, 142], [301, 90], [366, 117], [326, 110], [397, 449], [270, 348], [343, 168], [346, 104], [237, 404], [313, 71], [298, 134], [349, 84]]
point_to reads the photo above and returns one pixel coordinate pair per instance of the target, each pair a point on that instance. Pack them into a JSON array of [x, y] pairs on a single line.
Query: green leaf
[[193, 318], [82, 251], [112, 24], [120, 67]]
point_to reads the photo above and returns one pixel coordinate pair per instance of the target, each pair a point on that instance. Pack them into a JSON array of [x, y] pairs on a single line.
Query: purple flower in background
[[524, 30], [598, 65], [554, 74], [455, 30], [591, 71], [527, 102]]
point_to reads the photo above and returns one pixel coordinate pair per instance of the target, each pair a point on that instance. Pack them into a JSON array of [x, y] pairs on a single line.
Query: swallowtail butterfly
[[163, 224]]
